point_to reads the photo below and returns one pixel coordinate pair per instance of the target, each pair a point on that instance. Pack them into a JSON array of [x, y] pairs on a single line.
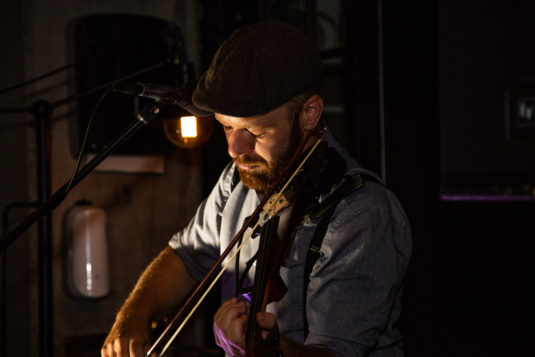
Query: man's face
[[261, 145]]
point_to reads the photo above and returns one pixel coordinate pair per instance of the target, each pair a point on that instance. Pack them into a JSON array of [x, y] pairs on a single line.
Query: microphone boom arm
[[144, 117]]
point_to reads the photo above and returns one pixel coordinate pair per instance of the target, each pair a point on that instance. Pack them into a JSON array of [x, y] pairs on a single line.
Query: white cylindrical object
[[88, 252]]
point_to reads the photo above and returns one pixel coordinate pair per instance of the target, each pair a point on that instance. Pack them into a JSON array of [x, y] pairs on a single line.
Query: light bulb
[[188, 131], [188, 127]]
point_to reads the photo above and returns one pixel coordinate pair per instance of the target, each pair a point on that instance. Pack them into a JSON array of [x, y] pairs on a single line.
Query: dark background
[[428, 94]]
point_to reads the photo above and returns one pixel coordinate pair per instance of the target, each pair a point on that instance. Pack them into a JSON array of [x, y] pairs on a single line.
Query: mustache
[[249, 161]]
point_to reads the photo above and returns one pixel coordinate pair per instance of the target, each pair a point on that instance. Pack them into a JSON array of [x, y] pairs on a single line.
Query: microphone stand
[[48, 204], [42, 111], [144, 117]]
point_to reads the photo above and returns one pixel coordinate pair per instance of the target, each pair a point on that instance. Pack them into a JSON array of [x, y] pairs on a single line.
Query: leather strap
[[324, 211]]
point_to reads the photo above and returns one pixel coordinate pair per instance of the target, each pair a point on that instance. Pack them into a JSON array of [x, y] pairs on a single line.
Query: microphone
[[162, 93]]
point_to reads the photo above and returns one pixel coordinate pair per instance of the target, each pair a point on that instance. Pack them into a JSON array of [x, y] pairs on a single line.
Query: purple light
[[487, 197]]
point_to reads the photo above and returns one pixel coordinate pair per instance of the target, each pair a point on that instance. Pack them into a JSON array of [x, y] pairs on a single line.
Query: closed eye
[[254, 132], [258, 135]]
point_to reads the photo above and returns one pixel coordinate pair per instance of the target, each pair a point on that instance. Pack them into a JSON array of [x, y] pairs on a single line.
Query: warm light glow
[[189, 131], [188, 127]]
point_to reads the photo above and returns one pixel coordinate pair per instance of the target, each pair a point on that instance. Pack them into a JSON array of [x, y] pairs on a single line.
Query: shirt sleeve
[[198, 243], [353, 299]]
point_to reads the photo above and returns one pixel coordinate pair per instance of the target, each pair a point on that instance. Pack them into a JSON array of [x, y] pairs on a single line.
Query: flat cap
[[257, 69]]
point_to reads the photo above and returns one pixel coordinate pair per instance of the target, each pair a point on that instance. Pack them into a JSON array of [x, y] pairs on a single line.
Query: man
[[264, 87]]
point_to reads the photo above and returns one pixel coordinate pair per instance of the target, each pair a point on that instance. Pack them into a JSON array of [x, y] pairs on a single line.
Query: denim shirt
[[354, 294]]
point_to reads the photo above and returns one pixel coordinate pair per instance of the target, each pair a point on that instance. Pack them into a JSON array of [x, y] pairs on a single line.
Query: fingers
[[127, 337], [267, 323], [229, 311], [230, 322], [266, 320], [118, 347], [123, 347], [137, 349]]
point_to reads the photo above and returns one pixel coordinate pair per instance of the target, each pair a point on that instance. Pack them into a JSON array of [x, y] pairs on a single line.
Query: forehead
[[270, 119]]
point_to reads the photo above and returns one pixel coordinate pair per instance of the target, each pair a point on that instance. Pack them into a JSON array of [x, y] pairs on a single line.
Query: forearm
[[161, 287]]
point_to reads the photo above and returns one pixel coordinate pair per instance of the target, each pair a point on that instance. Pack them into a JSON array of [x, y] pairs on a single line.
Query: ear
[[311, 114]]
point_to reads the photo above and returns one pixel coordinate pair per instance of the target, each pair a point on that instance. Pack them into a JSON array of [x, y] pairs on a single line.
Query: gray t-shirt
[[354, 294]]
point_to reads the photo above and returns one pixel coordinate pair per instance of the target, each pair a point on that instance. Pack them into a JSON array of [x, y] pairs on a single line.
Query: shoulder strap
[[325, 211]]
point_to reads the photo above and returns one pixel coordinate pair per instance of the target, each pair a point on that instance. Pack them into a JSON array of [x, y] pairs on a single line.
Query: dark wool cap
[[257, 69]]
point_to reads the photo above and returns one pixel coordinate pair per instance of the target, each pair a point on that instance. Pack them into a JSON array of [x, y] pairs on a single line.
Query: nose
[[240, 142]]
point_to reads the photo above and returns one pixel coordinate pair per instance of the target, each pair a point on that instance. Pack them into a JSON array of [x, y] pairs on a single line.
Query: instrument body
[[267, 287]]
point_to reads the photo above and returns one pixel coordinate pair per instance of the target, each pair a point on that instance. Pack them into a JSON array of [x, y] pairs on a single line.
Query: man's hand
[[126, 339], [268, 324], [230, 325], [160, 289]]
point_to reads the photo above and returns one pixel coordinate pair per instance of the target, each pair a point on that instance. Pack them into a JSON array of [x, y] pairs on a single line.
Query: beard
[[266, 174]]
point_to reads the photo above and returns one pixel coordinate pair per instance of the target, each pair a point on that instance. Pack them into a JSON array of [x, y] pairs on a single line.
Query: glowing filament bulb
[[188, 127]]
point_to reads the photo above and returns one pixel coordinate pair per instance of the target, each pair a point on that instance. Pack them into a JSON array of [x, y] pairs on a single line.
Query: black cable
[[112, 83], [84, 141], [36, 79]]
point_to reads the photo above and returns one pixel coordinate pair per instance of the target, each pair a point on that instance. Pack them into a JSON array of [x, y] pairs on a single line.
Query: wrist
[[130, 315]]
